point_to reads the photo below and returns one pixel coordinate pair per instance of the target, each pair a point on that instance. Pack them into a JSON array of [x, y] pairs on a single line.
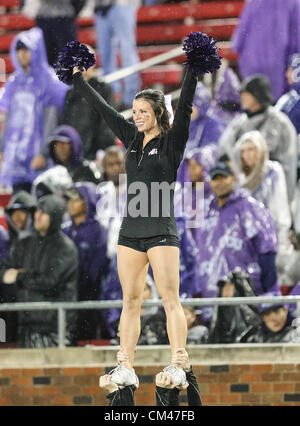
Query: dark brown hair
[[156, 99]]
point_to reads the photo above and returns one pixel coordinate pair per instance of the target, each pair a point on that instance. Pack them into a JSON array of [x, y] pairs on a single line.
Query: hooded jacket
[[79, 169], [226, 104], [290, 333], [206, 157], [260, 333], [93, 131], [90, 239], [268, 185], [265, 38], [235, 235], [28, 100], [280, 136], [205, 130], [20, 200], [50, 265]]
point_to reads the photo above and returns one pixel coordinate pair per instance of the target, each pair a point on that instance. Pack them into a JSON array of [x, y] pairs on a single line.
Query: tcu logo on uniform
[[231, 242], [205, 268]]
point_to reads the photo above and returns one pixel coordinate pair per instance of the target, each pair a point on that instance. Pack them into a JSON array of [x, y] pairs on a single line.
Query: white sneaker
[[123, 376], [177, 373]]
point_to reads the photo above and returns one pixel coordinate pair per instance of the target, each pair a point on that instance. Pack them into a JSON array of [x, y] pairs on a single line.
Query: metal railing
[[62, 307]]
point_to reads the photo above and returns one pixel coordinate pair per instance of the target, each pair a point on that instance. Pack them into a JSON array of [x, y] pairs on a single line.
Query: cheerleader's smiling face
[[144, 116]]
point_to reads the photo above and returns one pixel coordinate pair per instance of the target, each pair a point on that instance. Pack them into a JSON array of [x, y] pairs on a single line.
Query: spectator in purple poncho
[[266, 181], [237, 232], [192, 199], [90, 239], [188, 255], [30, 100], [227, 104], [205, 129], [277, 129], [267, 34]]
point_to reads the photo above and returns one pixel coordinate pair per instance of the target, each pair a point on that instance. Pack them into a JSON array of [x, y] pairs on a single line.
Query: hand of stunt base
[[106, 384], [164, 380], [181, 358], [76, 69]]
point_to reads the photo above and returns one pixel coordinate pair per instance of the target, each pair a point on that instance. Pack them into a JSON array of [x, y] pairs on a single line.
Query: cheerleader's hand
[[76, 69], [107, 385], [181, 358], [164, 380]]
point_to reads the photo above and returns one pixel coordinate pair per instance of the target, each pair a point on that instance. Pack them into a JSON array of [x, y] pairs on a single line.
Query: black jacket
[[229, 322], [261, 334], [156, 163], [170, 397], [21, 200], [94, 132], [50, 271]]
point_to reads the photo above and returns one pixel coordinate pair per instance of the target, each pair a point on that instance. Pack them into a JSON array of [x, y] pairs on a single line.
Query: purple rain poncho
[[190, 201], [266, 36], [24, 100], [77, 149], [233, 235], [268, 185], [204, 130], [226, 103], [188, 255]]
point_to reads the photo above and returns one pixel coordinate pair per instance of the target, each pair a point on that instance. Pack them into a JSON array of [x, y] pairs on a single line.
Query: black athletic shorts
[[144, 244]]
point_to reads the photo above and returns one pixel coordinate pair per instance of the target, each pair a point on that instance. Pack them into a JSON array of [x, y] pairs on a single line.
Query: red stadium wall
[[239, 384]]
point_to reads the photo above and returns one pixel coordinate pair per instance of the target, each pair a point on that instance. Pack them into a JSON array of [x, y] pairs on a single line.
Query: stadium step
[[150, 14], [170, 33], [9, 3]]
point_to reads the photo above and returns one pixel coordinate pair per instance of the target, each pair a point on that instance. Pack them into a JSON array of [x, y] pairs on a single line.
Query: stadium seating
[[160, 28]]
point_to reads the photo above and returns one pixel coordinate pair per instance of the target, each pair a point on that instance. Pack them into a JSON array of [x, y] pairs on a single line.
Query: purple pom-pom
[[202, 53], [73, 55]]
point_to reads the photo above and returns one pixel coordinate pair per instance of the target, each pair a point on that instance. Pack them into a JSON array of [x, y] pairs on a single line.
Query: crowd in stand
[[66, 171]]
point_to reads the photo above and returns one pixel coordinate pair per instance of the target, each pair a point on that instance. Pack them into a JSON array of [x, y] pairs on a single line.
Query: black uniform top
[[157, 162], [170, 397]]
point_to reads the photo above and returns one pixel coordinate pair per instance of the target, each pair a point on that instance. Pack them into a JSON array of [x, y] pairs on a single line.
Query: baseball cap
[[221, 168]]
